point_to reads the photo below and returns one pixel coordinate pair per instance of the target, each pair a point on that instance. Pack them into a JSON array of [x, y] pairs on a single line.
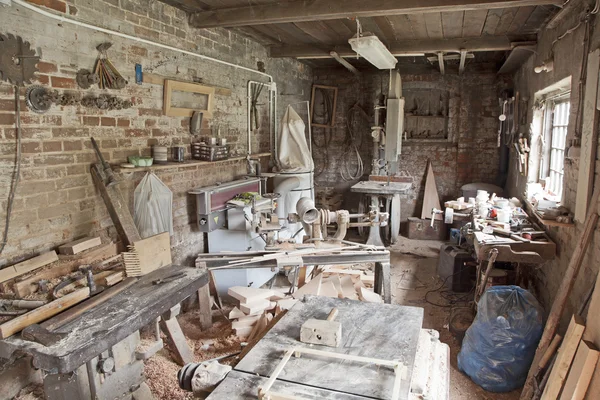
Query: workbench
[[97, 334], [511, 250], [379, 331], [380, 257]]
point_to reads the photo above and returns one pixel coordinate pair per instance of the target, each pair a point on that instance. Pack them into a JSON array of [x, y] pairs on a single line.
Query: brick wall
[[567, 54], [56, 200], [469, 155]]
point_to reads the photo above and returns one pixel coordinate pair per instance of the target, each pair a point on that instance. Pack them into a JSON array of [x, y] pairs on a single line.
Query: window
[[556, 123]]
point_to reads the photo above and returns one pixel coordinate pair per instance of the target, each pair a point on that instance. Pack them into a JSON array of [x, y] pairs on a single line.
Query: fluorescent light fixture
[[375, 52]]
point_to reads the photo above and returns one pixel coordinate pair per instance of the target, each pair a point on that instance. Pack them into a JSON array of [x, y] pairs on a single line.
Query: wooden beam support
[[312, 10], [345, 63], [403, 48], [463, 58], [440, 56]]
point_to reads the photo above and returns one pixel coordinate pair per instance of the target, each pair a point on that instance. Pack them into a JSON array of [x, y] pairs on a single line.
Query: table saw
[[376, 331], [94, 355]]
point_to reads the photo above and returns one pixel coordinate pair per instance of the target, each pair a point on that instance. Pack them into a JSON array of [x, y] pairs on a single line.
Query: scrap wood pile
[[566, 369], [39, 288], [257, 307]]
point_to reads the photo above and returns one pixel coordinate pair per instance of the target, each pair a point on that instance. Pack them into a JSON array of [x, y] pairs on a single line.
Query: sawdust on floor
[[161, 370], [34, 391], [414, 273]]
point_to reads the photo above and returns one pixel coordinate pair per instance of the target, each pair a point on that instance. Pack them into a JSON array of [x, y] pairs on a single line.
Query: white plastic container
[[504, 214]]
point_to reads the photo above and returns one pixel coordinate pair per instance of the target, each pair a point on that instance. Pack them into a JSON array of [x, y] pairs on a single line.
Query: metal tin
[[178, 153]]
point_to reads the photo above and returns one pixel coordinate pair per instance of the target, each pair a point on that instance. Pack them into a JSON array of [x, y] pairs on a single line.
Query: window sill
[[546, 222]]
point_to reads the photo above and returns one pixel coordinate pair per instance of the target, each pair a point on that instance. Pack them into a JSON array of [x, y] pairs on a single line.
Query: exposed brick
[[63, 83], [73, 181], [76, 169], [30, 119], [37, 201], [31, 147], [123, 122], [150, 112], [50, 146], [73, 10], [135, 132], [106, 121], [29, 188], [46, 67], [53, 159], [159, 133], [91, 121], [56, 211], [43, 79], [77, 194], [57, 5], [70, 132], [138, 51], [55, 120], [146, 33], [109, 144], [7, 105], [72, 145], [7, 119], [150, 123]]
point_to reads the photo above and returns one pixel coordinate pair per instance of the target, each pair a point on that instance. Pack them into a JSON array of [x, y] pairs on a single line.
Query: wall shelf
[[185, 164], [546, 222]]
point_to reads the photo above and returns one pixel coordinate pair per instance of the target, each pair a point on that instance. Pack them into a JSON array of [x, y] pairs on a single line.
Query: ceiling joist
[[404, 47], [313, 10]]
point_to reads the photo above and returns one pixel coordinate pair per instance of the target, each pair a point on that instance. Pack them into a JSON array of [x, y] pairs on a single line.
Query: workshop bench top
[[106, 324]]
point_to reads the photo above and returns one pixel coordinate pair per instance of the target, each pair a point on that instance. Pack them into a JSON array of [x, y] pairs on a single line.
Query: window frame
[[548, 162]]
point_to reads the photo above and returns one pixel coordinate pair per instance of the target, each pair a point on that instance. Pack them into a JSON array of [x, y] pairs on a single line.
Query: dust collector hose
[[306, 210]]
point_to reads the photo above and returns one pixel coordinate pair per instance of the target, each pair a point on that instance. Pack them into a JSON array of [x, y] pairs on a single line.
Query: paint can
[[160, 154], [178, 153]]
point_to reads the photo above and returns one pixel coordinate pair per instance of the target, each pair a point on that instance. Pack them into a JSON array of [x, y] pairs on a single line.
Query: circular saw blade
[[17, 60]]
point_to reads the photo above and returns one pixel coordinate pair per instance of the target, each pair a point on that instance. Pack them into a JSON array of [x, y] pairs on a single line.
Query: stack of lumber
[[256, 308], [341, 282], [565, 372]]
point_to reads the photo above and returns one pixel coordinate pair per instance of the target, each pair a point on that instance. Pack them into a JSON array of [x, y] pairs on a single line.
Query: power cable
[[17, 168]]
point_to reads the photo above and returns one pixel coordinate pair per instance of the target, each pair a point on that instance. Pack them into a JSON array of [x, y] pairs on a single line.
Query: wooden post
[[382, 285], [560, 300], [205, 307], [117, 208]]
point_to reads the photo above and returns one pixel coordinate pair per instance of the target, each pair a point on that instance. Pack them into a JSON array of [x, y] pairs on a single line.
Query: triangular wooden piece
[[348, 288], [431, 199], [236, 313], [328, 290], [369, 297], [311, 287], [286, 304], [335, 279], [248, 294]]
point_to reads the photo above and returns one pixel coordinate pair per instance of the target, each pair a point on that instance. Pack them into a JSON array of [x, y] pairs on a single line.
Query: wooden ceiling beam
[[404, 47], [313, 10]]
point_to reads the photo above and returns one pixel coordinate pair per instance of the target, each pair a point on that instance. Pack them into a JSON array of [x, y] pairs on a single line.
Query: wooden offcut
[[148, 254], [26, 266], [311, 287], [80, 245], [248, 294], [581, 372], [564, 358], [42, 313], [431, 199]]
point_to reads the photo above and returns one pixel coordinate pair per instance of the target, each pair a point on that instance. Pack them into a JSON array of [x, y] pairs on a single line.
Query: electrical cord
[[448, 295], [352, 143], [17, 168]]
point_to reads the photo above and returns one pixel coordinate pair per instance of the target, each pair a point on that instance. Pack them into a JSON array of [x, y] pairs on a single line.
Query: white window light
[[374, 51]]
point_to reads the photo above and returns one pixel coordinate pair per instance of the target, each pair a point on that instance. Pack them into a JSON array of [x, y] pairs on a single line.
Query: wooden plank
[[182, 351], [369, 296], [80, 245], [385, 26], [589, 139], [403, 27], [473, 22], [506, 19], [564, 358], [550, 352], [452, 24], [581, 372], [117, 208], [433, 23], [431, 198], [536, 20], [402, 48], [301, 11], [149, 254], [417, 24], [248, 294], [311, 287], [42, 313], [491, 22], [27, 266], [340, 28], [155, 79], [319, 31], [205, 313], [81, 308], [520, 18], [345, 63]]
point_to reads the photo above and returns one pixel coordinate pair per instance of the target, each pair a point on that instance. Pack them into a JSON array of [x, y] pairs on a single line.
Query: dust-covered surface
[[414, 273], [34, 391], [161, 370]]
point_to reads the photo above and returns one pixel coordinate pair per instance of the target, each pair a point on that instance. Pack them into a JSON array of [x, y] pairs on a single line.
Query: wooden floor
[[414, 272]]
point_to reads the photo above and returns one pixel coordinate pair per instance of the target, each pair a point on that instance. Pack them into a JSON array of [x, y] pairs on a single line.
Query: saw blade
[[17, 60]]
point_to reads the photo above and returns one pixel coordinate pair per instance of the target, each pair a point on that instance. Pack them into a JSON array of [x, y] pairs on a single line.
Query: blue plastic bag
[[499, 346]]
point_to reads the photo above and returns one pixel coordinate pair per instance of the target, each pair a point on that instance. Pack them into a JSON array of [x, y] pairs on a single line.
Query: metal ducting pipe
[[306, 210]]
